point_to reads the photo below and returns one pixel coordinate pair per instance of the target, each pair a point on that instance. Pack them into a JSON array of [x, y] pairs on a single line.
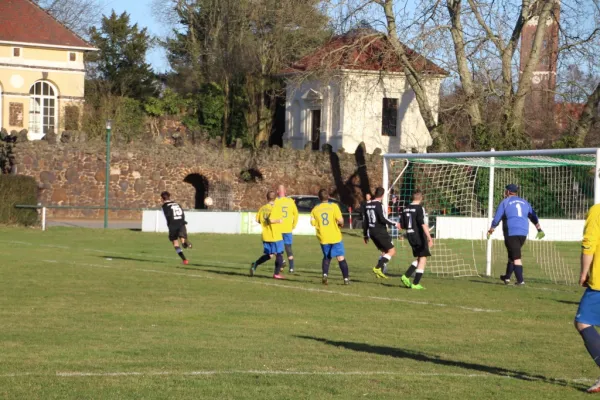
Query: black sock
[[344, 268], [411, 270], [418, 276], [278, 263], [291, 260], [263, 259], [180, 252], [325, 266], [510, 267], [591, 339], [383, 260], [519, 273]]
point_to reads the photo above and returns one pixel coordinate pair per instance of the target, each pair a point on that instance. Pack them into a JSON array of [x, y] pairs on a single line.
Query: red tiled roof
[[24, 21], [364, 50]]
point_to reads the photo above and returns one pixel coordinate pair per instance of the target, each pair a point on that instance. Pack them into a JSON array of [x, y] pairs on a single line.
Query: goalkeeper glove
[[540, 234]]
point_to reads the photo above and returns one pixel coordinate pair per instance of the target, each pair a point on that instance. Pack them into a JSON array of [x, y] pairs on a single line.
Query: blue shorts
[[333, 250], [273, 247], [287, 238], [589, 308]]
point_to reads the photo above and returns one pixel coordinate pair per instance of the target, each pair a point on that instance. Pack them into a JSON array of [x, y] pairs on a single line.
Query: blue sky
[[141, 13]]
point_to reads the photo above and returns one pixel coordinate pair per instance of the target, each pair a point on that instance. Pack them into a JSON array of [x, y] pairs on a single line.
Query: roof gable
[[23, 21], [362, 50]]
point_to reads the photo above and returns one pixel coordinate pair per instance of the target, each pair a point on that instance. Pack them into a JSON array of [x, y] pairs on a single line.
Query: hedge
[[18, 189]]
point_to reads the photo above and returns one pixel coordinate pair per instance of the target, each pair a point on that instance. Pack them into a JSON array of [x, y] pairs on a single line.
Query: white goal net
[[462, 190]]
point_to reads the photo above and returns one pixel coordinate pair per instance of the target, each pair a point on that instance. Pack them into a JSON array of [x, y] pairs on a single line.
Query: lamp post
[[107, 183]]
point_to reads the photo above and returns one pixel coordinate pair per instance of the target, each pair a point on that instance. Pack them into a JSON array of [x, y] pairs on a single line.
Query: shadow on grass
[[571, 303], [132, 259], [433, 359]]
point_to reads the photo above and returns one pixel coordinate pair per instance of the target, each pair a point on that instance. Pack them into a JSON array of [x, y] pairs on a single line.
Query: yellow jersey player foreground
[[289, 212], [588, 313], [269, 217], [327, 219]]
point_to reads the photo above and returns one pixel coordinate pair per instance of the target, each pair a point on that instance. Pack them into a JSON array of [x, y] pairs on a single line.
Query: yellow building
[[41, 71]]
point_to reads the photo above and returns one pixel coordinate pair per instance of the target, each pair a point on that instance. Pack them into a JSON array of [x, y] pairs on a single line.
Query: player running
[[327, 219], [417, 233], [514, 212], [376, 230], [588, 313], [290, 220], [176, 223], [270, 218]]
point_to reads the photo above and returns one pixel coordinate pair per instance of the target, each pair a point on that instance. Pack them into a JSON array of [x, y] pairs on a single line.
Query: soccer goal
[[462, 191]]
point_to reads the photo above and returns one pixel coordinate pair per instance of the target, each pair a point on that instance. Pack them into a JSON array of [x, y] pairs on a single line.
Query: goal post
[[461, 193]]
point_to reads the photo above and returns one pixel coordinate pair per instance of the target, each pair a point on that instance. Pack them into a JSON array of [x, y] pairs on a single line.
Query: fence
[[199, 221]]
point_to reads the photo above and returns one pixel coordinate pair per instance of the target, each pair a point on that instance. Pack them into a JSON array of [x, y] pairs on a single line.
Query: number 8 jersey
[[324, 218], [514, 212]]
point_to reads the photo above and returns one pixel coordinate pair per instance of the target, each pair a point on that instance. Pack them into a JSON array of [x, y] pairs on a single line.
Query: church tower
[[540, 101]]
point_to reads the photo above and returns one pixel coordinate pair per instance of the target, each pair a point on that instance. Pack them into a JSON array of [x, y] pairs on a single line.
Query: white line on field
[[83, 374], [279, 285]]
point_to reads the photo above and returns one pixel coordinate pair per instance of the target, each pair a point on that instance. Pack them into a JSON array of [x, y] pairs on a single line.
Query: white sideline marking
[[293, 287], [83, 374]]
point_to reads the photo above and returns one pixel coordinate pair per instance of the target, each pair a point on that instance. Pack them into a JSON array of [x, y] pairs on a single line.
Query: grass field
[[92, 314]]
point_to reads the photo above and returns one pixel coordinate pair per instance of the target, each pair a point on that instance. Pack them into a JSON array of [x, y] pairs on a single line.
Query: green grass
[[66, 308]]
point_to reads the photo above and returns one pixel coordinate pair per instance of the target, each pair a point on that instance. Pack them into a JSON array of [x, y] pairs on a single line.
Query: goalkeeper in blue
[[515, 214]]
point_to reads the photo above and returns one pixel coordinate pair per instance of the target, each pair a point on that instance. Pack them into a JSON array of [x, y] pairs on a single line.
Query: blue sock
[[325, 266], [278, 263], [344, 268], [591, 339], [519, 273], [291, 261]]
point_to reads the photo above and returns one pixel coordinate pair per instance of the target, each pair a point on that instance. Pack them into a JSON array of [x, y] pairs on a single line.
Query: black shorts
[[382, 240], [177, 231], [421, 251], [513, 246]]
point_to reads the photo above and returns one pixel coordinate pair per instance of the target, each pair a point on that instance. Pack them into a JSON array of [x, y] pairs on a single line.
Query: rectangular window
[[16, 52], [389, 117], [72, 56]]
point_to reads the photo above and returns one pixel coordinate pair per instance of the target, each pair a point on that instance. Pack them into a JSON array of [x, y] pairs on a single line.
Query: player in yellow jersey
[[269, 217], [327, 219], [588, 313], [290, 220]]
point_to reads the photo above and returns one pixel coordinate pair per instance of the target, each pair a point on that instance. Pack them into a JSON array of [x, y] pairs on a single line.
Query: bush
[[18, 189]]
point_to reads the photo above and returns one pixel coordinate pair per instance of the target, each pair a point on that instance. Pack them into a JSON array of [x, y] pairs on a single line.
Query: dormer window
[[17, 51]]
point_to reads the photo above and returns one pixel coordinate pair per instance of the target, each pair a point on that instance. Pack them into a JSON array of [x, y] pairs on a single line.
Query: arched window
[[42, 108]]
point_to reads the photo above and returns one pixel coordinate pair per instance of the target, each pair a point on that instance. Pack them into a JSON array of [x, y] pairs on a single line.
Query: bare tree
[[77, 15]]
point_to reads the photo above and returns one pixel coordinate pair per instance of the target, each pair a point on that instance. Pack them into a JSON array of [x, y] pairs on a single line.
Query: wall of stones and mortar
[[73, 174]]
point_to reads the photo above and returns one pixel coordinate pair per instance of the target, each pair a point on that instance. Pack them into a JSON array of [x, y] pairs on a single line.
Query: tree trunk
[[588, 117], [414, 78], [516, 124], [226, 106], [456, 30]]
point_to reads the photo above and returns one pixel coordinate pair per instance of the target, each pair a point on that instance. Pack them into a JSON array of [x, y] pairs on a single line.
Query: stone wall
[[237, 179]]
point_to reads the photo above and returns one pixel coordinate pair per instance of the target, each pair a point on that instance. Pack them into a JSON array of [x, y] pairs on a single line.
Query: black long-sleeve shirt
[[375, 218], [173, 213]]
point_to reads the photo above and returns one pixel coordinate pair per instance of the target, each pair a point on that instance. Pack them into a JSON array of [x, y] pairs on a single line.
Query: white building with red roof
[[42, 72], [353, 90]]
